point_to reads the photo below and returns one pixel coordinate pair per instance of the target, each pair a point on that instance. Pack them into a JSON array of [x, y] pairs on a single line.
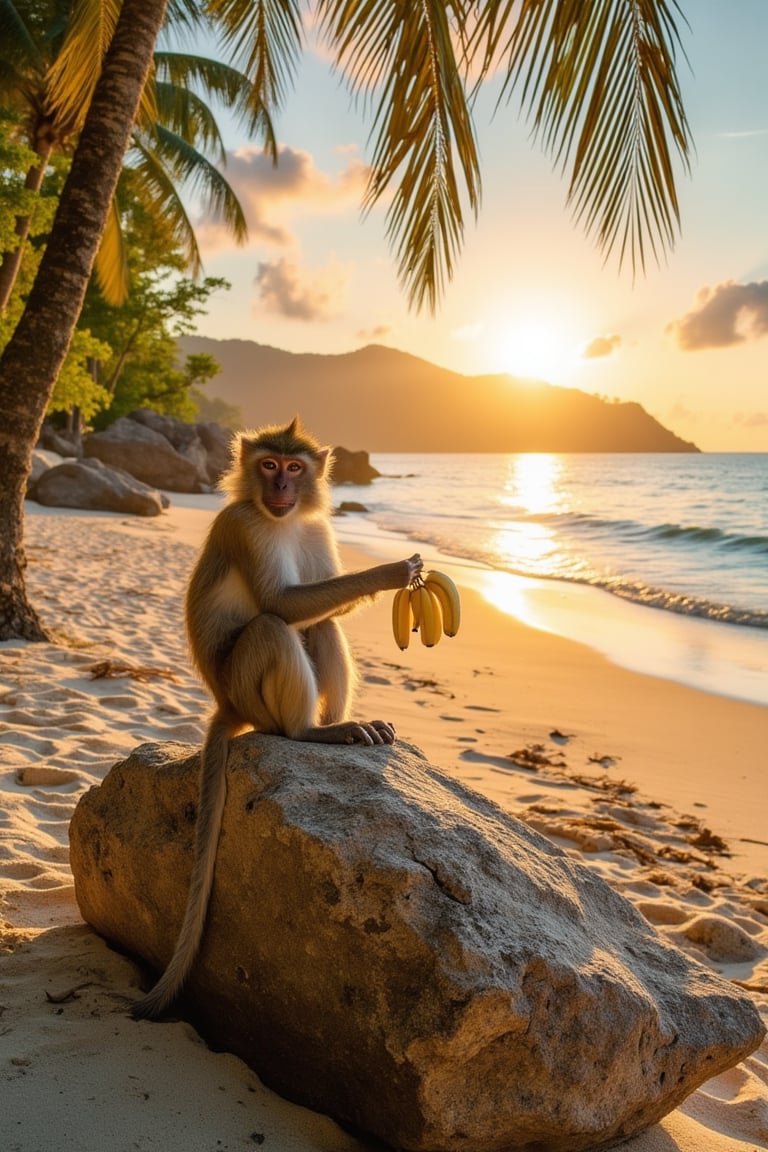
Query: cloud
[[728, 314], [751, 419], [271, 194], [681, 413], [373, 335], [286, 289], [601, 346]]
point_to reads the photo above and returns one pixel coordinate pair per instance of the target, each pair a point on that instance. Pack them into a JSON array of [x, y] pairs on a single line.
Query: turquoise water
[[659, 561], [686, 534]]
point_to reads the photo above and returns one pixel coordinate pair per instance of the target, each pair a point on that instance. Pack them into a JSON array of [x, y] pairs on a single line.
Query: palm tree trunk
[[11, 261], [33, 357]]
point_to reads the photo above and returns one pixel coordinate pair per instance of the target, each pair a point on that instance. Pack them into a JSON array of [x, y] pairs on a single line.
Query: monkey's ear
[[245, 446], [323, 464]]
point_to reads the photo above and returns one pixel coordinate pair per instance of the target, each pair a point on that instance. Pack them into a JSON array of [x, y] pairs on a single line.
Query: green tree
[[76, 386], [50, 55], [141, 368], [597, 77]]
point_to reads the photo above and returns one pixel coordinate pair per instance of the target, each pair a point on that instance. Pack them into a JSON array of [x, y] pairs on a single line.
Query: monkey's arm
[[304, 604]]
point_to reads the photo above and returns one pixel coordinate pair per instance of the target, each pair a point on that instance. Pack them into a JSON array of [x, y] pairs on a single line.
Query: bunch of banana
[[429, 606]]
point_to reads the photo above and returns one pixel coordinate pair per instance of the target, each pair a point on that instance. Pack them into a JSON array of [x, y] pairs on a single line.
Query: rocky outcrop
[[163, 451], [386, 946], [217, 442], [58, 440], [145, 453], [352, 467], [89, 484], [42, 460]]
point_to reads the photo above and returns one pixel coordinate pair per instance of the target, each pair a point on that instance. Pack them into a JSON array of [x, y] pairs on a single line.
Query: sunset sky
[[532, 295]]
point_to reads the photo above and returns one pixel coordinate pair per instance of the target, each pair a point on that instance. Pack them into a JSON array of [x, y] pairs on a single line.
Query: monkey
[[260, 611]]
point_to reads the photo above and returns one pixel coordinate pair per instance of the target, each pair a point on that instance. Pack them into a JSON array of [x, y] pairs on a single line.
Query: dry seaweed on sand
[[111, 670]]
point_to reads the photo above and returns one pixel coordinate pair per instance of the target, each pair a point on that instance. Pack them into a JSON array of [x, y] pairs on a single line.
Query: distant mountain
[[387, 401]]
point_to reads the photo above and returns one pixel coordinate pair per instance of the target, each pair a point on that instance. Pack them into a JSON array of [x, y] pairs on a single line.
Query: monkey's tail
[[213, 794]]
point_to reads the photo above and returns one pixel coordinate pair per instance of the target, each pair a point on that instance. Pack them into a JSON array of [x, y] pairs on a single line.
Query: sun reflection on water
[[534, 483], [532, 489]]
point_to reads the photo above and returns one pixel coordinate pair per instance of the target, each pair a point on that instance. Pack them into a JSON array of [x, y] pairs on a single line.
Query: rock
[[387, 946], [352, 467], [58, 440], [350, 506], [42, 460], [92, 485], [183, 437], [145, 453], [217, 442]]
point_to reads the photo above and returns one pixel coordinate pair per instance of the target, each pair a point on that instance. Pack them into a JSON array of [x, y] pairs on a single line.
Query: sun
[[533, 349]]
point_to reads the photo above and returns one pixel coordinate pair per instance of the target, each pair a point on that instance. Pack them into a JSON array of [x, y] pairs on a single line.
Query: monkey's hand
[[403, 573]]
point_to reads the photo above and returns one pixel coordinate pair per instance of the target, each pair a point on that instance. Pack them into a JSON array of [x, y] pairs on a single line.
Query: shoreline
[[641, 778], [723, 659]]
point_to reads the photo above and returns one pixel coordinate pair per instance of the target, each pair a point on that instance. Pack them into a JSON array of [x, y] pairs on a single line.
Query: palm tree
[[598, 80], [175, 142]]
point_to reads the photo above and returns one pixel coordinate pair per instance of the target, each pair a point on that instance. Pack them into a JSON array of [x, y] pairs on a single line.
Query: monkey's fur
[[260, 611]]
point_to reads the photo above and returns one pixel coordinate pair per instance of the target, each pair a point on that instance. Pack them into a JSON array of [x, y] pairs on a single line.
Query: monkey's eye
[[295, 466], [268, 465]]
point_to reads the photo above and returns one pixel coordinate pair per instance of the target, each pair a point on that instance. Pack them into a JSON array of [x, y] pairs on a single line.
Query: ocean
[[660, 561]]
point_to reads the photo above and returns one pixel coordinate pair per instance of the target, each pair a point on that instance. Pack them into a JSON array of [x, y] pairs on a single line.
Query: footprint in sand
[[657, 912], [32, 776], [721, 939], [20, 870], [51, 812]]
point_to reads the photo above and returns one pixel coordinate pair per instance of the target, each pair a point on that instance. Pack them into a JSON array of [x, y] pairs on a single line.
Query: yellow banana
[[430, 617], [402, 618], [446, 592], [415, 607]]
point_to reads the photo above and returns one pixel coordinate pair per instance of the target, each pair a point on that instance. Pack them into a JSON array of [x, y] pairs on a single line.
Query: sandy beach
[[657, 786]]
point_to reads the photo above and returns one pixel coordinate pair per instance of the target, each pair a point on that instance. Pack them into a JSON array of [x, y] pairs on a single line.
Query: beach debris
[[535, 756], [408, 920], [111, 669], [560, 737], [603, 761], [706, 838], [426, 683]]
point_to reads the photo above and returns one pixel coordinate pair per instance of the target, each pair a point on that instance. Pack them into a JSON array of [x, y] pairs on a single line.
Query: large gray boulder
[[184, 438], [144, 452], [92, 485], [386, 946]]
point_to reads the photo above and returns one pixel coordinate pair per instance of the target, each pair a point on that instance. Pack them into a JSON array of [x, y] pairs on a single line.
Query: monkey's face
[[282, 483]]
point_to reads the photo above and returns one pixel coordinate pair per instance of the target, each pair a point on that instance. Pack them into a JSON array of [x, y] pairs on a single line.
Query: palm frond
[[156, 188], [598, 81], [74, 72], [111, 264], [166, 162], [186, 114], [180, 72], [403, 55], [264, 38]]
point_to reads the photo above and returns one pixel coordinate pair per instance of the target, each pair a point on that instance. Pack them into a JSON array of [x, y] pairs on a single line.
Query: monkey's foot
[[352, 732]]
